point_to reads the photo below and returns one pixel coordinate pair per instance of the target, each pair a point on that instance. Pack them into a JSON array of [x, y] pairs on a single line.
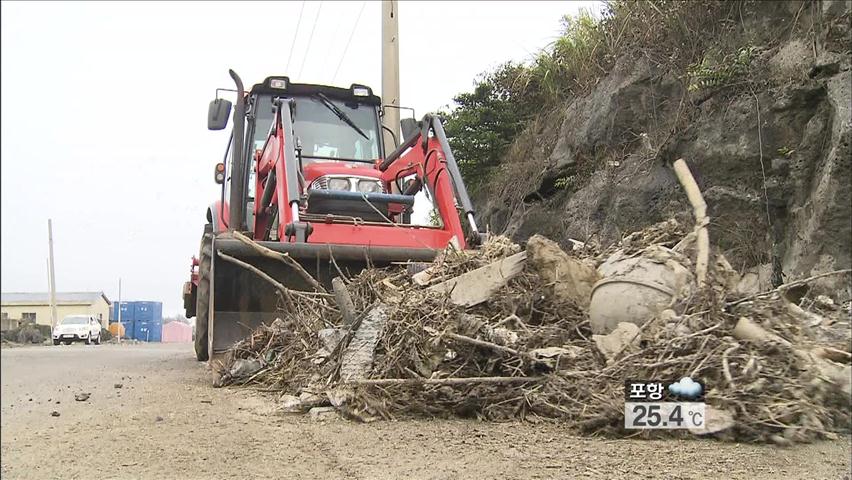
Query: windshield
[[75, 320], [321, 133]]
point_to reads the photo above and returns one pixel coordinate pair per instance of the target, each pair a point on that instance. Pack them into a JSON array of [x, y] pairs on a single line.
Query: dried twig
[[285, 258], [788, 286], [444, 381], [280, 286]]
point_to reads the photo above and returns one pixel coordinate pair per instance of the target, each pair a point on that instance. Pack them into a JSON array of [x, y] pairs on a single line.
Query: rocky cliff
[[763, 121]]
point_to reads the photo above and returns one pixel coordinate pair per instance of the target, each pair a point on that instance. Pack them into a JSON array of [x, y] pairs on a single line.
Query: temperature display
[[664, 415]]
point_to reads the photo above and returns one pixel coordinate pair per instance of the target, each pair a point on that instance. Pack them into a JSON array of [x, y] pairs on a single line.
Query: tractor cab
[[338, 142], [337, 134]]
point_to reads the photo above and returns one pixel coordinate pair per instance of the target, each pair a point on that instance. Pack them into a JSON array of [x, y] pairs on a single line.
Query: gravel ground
[[166, 421]]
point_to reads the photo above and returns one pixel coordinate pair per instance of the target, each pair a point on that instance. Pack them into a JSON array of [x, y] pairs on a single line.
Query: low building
[[35, 307], [177, 332]]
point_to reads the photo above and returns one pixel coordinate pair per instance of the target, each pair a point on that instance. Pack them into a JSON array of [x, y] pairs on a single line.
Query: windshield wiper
[[340, 113]]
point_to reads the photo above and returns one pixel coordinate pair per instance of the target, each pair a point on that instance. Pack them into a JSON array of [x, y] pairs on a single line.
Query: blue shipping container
[[148, 311], [148, 331], [128, 328], [127, 309]]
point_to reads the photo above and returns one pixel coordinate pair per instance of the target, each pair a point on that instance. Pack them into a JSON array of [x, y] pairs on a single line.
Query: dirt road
[[166, 421]]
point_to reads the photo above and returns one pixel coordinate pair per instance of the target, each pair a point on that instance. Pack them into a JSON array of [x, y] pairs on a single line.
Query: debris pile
[[500, 333]]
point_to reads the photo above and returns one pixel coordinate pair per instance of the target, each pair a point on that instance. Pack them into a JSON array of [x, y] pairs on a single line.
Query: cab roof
[[292, 89]]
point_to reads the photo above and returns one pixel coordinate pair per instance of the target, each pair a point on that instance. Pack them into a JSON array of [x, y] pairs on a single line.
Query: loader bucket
[[242, 300]]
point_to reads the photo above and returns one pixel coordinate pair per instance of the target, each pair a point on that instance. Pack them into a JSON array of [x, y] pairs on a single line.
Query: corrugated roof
[[32, 298]]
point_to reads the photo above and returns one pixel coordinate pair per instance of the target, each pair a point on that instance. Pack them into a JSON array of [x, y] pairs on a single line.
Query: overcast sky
[[104, 114]]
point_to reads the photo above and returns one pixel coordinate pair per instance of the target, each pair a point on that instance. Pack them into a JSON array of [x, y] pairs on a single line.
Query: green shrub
[[106, 335], [485, 122], [709, 73]]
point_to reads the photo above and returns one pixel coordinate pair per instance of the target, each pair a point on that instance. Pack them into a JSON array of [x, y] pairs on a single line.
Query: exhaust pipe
[[238, 171]]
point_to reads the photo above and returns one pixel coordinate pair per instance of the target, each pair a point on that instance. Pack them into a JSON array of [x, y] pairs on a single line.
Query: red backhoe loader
[[307, 173]]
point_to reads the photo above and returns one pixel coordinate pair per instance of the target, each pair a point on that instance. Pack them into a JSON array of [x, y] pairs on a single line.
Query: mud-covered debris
[[626, 335], [557, 357], [715, 420], [322, 413], [54, 413], [330, 338], [501, 335], [357, 358], [244, 368], [310, 400], [118, 385], [572, 351], [524, 352], [291, 404], [477, 286], [82, 397], [568, 278]]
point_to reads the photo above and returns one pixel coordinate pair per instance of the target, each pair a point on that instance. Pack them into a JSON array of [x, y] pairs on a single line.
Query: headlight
[[339, 184], [369, 186]]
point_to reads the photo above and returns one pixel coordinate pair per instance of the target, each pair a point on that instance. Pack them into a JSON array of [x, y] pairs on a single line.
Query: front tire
[[56, 342], [202, 303]]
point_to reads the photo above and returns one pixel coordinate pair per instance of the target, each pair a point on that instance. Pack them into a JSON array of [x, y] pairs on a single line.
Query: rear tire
[[202, 304], [98, 339]]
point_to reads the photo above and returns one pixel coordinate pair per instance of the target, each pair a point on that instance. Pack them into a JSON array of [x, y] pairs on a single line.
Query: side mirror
[[217, 114], [409, 127]]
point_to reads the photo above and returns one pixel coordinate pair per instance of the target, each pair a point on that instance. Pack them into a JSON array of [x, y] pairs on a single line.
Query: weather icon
[[686, 387]]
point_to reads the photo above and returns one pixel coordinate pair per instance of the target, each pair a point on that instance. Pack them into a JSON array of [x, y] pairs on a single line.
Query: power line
[[311, 37], [351, 34], [293, 43]]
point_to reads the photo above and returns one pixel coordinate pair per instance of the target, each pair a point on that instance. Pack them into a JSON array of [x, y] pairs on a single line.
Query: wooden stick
[[282, 257], [344, 301], [699, 208], [788, 286], [726, 366], [492, 346], [444, 381], [745, 329], [832, 354], [260, 273], [482, 343]]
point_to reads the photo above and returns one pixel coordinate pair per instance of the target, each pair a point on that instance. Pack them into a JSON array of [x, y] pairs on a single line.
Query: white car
[[77, 328]]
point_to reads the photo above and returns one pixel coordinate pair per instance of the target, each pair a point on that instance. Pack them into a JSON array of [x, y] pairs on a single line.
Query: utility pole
[[390, 70], [52, 274], [47, 265]]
